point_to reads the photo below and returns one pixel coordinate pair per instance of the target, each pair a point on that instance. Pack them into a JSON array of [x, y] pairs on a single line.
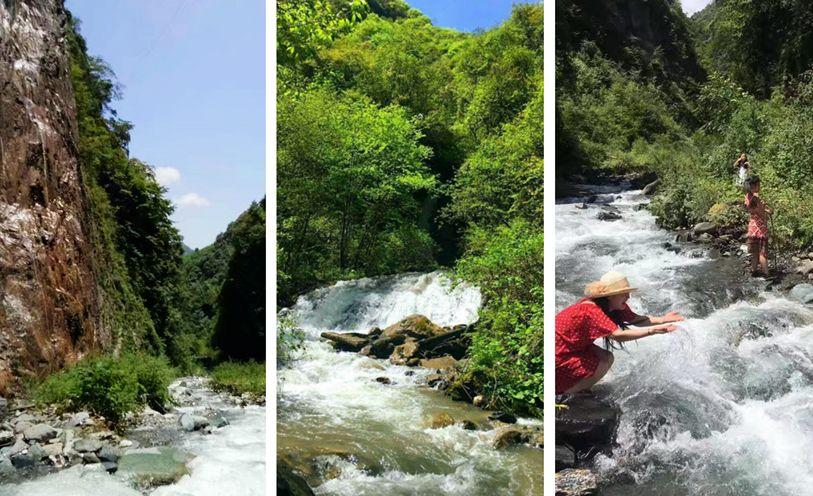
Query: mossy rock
[[727, 214]]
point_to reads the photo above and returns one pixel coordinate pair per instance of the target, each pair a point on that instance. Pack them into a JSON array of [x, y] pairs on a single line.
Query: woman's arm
[[622, 335]]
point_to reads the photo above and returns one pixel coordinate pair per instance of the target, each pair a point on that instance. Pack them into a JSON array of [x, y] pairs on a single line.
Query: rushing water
[[724, 405], [372, 439], [228, 462]]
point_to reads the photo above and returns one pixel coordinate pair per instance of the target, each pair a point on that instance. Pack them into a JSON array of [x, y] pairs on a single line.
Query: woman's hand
[[663, 329], [671, 317]]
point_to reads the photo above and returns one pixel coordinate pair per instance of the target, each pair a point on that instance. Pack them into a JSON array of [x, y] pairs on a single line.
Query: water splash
[[723, 406]]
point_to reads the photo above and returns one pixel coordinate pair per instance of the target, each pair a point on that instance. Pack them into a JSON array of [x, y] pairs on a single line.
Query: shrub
[[109, 386], [240, 377]]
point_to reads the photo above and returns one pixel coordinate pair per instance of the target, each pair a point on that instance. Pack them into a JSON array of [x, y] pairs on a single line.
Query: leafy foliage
[[109, 386], [240, 377]]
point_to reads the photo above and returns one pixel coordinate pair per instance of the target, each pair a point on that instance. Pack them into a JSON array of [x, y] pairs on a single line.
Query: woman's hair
[[604, 304], [750, 182]]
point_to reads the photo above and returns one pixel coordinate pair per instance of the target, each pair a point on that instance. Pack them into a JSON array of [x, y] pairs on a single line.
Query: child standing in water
[[757, 226]]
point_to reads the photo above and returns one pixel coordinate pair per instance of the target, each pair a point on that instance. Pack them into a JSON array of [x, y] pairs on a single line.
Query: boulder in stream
[[414, 326], [576, 482], [440, 363], [608, 216], [153, 466], [803, 293], [347, 341], [193, 422], [587, 424], [289, 483]]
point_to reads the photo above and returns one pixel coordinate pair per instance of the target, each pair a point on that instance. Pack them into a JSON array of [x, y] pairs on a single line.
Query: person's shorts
[[758, 246]]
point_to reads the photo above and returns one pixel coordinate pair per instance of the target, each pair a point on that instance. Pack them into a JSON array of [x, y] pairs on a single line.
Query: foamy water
[[375, 438], [228, 462], [724, 405]]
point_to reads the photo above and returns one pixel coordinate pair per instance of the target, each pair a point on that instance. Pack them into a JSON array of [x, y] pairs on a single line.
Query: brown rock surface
[[48, 298]]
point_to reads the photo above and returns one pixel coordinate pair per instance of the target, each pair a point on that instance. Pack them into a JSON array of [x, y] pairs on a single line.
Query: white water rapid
[[372, 439], [724, 405], [228, 462]]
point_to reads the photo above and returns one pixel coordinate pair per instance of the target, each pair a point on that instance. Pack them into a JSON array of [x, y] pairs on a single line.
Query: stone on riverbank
[[503, 417], [704, 228], [440, 363], [87, 445], [40, 433], [6, 438]]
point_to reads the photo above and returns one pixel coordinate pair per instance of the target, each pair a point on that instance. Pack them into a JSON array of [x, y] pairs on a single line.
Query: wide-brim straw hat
[[611, 283]]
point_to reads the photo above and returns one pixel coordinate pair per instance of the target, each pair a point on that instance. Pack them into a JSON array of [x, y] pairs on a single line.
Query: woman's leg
[[763, 256], [753, 250], [605, 361]]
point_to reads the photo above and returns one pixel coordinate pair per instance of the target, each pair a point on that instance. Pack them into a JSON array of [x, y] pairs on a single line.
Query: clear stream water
[[724, 405], [228, 462], [374, 439]]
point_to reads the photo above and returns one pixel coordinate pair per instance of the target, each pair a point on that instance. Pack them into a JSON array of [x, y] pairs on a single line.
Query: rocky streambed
[[362, 411], [719, 407], [204, 441]]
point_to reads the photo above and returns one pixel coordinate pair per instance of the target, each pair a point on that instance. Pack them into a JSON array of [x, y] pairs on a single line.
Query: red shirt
[[577, 327]]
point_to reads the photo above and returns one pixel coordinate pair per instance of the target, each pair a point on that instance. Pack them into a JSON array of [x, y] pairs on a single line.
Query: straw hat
[[611, 283]]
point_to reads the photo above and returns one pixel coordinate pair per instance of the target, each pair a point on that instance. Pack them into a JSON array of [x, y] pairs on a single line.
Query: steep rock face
[[632, 32], [48, 297]]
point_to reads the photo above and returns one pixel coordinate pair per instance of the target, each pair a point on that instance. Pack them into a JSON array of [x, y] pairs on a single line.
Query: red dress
[[577, 326], [758, 225]]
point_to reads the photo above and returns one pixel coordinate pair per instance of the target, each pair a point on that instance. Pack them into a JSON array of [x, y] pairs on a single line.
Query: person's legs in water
[[754, 251], [763, 255], [605, 361]]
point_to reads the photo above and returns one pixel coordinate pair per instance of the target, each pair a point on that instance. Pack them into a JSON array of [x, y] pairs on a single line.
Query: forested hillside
[[95, 227], [687, 125], [405, 146]]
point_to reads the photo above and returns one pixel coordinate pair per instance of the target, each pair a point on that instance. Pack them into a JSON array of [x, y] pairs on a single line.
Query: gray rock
[[53, 449], [705, 238], [3, 406], [650, 188], [37, 452], [22, 425], [193, 422], [803, 293], [576, 482], [6, 438], [78, 419], [87, 445], [90, 458], [805, 267], [111, 467], [19, 446], [109, 454], [22, 460], [40, 433], [219, 421], [704, 228], [608, 216], [153, 466], [6, 468]]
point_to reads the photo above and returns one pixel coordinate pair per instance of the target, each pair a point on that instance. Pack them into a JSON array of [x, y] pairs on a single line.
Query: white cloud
[[167, 175], [193, 200], [692, 6]]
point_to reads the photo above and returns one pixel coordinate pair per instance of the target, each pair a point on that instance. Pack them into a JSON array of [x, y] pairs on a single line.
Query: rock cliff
[[49, 303]]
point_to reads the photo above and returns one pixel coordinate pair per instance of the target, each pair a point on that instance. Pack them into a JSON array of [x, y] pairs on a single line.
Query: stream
[[355, 436], [228, 462], [724, 405]]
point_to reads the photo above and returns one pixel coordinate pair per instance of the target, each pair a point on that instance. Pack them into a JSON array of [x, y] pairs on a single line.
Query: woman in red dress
[[757, 226], [603, 313]]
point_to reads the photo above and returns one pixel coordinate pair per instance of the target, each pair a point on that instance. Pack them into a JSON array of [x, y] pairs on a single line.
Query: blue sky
[[465, 15], [193, 77]]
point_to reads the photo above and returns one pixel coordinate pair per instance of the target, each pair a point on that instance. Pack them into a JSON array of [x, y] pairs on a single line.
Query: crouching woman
[[603, 313]]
